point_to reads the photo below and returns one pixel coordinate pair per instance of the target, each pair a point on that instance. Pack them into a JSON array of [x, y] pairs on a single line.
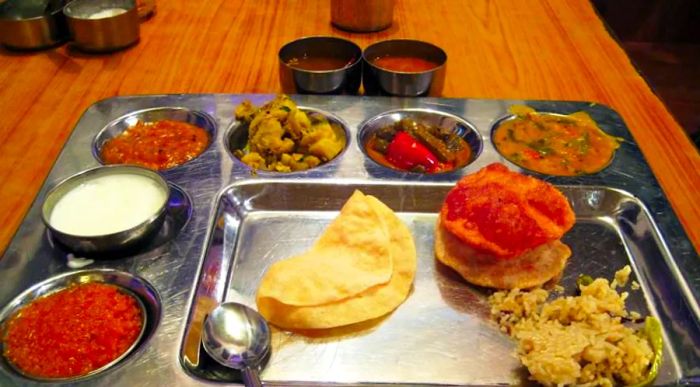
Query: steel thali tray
[[241, 223]]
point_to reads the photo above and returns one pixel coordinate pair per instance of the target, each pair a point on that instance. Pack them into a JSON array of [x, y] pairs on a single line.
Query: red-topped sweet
[[505, 213], [501, 229]]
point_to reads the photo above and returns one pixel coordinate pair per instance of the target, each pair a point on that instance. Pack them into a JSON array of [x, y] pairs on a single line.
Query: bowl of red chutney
[[160, 138], [77, 325]]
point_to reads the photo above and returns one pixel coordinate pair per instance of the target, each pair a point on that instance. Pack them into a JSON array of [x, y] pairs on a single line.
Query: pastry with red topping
[[501, 229]]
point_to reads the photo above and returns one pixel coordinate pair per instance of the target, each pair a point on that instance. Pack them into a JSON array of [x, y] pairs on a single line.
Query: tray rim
[[18, 251]]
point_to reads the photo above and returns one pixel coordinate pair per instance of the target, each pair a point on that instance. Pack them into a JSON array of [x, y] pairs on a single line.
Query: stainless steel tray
[[441, 334]]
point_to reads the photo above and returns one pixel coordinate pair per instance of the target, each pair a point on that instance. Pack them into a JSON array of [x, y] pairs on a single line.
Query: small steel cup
[[336, 81], [378, 80], [116, 241], [429, 117], [31, 25], [94, 29]]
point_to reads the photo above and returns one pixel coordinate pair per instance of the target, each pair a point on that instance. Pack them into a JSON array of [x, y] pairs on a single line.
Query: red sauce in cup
[[406, 64], [72, 332]]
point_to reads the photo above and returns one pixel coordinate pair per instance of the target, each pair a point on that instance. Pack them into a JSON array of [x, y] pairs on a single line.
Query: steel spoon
[[238, 337]]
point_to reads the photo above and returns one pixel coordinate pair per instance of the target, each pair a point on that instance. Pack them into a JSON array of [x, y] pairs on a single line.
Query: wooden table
[[535, 49]]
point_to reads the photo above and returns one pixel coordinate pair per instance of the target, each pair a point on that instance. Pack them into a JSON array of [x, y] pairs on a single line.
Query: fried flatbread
[[532, 268]]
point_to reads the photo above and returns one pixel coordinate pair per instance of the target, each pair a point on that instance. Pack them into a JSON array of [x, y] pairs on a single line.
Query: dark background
[[662, 38]]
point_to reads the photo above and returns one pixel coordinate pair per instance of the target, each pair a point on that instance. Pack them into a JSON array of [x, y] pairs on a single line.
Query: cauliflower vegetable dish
[[283, 138]]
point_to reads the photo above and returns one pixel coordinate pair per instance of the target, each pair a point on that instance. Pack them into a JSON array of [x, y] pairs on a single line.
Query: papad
[[372, 303], [351, 256]]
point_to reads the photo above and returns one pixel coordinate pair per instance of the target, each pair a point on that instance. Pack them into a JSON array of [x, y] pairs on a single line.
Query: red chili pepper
[[405, 152]]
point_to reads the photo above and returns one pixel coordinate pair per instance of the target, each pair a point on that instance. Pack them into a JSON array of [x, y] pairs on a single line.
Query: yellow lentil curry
[[561, 145], [283, 138]]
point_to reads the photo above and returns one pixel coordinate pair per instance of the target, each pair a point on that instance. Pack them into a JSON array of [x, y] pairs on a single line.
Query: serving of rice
[[576, 340]]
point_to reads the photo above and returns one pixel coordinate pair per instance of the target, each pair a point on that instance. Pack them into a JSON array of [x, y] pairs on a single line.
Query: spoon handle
[[250, 377]]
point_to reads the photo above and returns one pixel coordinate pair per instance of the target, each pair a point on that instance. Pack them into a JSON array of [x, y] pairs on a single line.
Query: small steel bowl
[[346, 79], [103, 25], [143, 292], [509, 117], [458, 125], [112, 242], [119, 125], [378, 80], [32, 25], [236, 137]]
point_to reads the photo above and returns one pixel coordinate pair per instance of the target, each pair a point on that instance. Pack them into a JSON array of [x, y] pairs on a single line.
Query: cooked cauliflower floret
[[254, 160], [283, 138], [267, 137], [245, 111], [297, 124]]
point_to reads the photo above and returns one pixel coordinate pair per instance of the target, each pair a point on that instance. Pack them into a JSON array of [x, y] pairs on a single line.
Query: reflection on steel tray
[[242, 223]]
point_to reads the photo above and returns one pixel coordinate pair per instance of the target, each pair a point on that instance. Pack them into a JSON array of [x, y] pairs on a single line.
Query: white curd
[[107, 204], [109, 12]]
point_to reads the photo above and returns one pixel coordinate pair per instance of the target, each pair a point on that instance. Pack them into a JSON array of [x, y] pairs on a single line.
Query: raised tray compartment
[[442, 333]]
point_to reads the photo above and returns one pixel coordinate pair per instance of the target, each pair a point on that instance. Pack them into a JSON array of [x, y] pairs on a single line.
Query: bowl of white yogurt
[[106, 209]]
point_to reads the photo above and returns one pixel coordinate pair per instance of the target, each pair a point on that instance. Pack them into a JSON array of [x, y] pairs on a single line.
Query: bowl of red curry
[[159, 138], [77, 325], [404, 68]]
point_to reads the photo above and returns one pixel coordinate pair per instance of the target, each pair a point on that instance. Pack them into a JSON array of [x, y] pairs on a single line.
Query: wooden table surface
[[534, 49]]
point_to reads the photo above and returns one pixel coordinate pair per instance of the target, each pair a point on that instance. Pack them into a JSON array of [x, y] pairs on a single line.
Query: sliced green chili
[[652, 329]]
